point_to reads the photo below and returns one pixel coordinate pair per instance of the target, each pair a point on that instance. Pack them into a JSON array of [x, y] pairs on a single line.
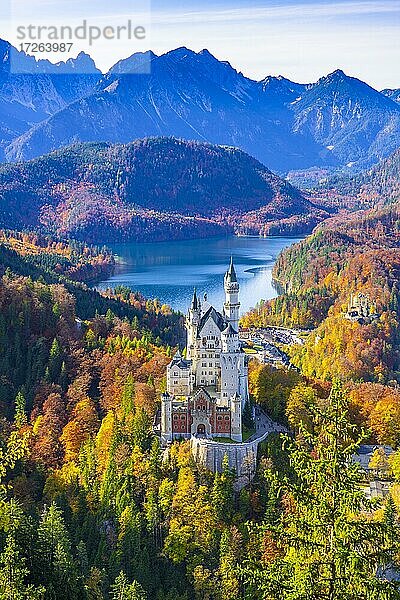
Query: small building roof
[[180, 362], [218, 319]]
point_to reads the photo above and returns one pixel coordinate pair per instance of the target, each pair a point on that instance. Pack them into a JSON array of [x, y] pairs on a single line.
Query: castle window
[[219, 418], [226, 418]]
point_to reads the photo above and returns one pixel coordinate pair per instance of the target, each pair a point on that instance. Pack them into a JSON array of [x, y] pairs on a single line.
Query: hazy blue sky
[[301, 40]]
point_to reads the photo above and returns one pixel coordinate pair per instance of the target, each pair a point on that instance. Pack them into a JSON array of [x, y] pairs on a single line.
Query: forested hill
[[66, 266], [377, 187], [356, 254], [152, 189]]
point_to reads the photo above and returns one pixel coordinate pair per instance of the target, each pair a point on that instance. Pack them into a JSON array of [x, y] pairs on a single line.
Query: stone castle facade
[[360, 309], [208, 388]]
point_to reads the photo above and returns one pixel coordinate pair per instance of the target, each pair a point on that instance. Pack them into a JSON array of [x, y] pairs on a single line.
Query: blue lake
[[170, 270]]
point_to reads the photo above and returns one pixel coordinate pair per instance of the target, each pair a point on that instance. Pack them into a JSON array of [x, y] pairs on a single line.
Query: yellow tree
[[193, 525]]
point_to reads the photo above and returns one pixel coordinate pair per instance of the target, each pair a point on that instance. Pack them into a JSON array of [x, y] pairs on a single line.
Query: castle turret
[[230, 360], [232, 304], [195, 308], [166, 417], [230, 340], [236, 417], [192, 323]]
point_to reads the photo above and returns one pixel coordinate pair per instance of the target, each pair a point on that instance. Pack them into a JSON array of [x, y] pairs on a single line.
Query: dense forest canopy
[[91, 506], [357, 254], [377, 187], [319, 277]]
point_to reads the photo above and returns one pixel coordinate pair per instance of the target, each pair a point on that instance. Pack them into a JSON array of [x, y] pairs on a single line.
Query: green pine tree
[[123, 590], [330, 544], [142, 429], [13, 574], [110, 318], [56, 564], [128, 397], [247, 416], [222, 495], [55, 361]]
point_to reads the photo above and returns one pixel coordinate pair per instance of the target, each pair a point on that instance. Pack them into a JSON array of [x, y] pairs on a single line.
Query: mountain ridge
[[193, 95], [38, 90], [393, 94]]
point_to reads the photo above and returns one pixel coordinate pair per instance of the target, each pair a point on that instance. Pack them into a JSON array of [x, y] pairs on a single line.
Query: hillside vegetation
[[91, 506], [153, 189], [375, 188], [73, 260], [358, 254]]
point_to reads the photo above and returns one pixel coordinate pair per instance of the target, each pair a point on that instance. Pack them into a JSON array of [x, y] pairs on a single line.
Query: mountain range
[[38, 90], [149, 190], [393, 94], [338, 122]]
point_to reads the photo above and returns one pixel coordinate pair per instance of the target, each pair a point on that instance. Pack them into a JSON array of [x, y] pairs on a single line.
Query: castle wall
[[207, 363], [242, 457], [179, 381], [229, 375], [180, 423]]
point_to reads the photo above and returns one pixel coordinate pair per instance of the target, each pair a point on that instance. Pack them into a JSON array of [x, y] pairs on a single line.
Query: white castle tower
[[192, 323], [207, 390], [232, 304]]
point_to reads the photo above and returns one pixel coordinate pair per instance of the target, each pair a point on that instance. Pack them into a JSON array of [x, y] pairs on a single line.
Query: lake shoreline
[[169, 271]]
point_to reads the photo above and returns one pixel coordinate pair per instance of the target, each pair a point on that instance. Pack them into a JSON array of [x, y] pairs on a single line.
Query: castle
[[360, 309], [208, 388]]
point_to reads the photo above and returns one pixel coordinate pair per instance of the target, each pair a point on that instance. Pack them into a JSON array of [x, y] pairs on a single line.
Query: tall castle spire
[[231, 273], [192, 322], [195, 301], [232, 304]]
